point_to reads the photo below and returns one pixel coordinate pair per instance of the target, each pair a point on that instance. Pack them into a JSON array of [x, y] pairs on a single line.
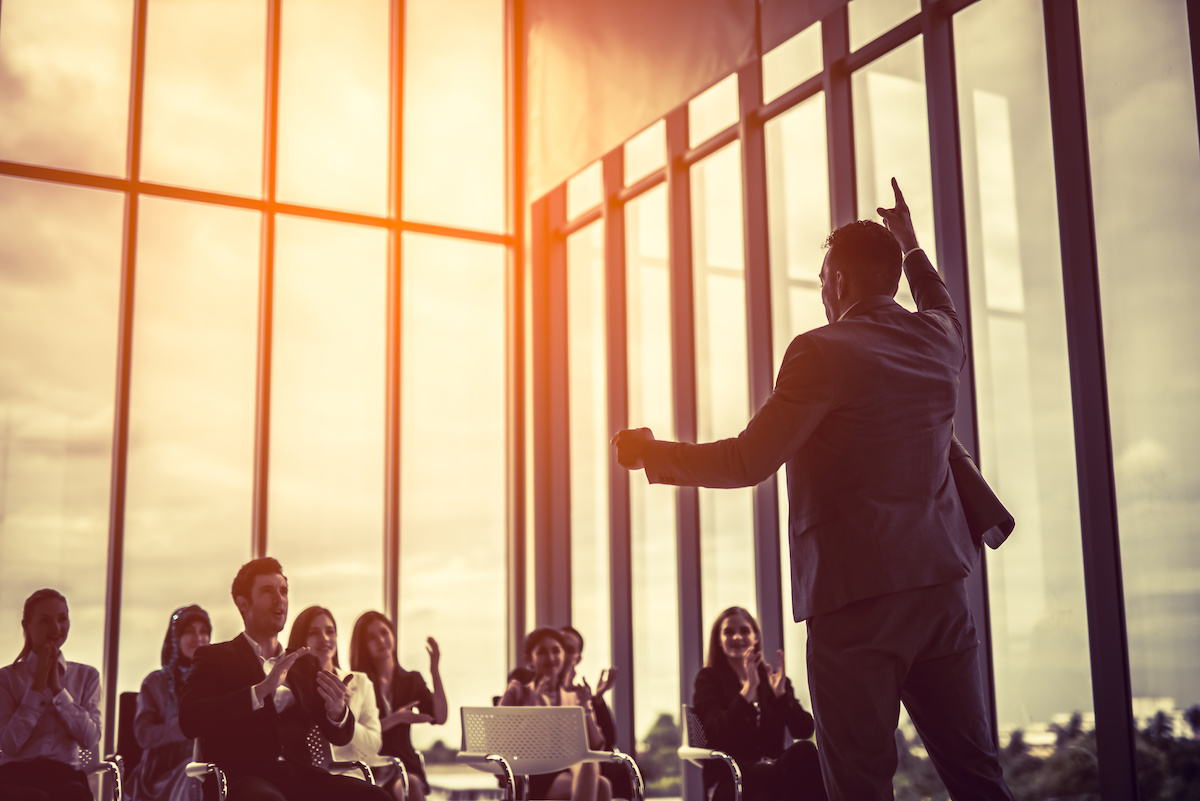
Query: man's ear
[[841, 284], [242, 603]]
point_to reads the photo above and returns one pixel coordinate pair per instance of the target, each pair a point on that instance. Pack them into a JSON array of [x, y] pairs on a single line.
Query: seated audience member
[[616, 773], [402, 697], [161, 775], [315, 628], [546, 655], [49, 709], [745, 705], [252, 706]]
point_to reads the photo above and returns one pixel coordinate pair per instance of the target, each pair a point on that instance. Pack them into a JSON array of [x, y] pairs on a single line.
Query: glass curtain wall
[[205, 237]]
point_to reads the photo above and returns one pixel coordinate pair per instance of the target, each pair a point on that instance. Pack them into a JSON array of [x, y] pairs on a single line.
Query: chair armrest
[[635, 775], [198, 770], [491, 763], [349, 766], [698, 755], [115, 765]]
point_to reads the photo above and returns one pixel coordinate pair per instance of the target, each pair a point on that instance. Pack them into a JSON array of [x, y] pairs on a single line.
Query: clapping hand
[[406, 714], [776, 676], [608, 678], [336, 694]]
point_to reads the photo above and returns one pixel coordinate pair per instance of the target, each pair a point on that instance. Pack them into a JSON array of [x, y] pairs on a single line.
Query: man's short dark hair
[[243, 582], [869, 256]]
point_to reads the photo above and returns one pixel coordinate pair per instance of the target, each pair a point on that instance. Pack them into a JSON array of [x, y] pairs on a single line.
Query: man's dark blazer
[[216, 707], [862, 414]]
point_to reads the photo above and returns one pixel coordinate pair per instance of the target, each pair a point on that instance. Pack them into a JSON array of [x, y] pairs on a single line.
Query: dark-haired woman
[[543, 685], [745, 705], [402, 696], [161, 776], [315, 628], [49, 709]]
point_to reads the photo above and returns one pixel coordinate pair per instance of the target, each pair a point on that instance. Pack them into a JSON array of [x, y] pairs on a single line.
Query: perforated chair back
[[694, 735], [532, 739]]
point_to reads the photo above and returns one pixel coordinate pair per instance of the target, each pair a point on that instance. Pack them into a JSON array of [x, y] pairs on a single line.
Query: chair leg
[[509, 779]]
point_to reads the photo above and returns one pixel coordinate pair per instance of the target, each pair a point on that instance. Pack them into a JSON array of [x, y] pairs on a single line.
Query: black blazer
[[216, 707], [735, 727]]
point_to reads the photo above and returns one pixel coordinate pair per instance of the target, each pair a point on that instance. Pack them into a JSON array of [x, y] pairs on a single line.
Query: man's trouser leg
[[944, 697], [855, 694]]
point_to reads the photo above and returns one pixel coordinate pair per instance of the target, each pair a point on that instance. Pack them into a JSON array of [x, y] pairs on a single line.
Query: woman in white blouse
[[315, 628], [49, 709]]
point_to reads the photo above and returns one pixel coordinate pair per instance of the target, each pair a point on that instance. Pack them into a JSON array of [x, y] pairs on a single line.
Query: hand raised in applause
[[776, 676], [335, 693], [278, 674], [608, 678], [435, 654], [631, 447], [899, 220], [405, 714]]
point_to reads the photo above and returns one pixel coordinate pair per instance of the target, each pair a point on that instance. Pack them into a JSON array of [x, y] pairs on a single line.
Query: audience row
[[273, 716]]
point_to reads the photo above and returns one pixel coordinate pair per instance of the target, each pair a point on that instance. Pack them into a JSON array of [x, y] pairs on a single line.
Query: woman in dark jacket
[[745, 705]]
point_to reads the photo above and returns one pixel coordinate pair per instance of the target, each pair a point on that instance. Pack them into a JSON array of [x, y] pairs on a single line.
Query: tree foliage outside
[[1168, 767]]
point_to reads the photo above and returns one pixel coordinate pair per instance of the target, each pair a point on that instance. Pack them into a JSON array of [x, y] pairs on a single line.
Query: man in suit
[[251, 719], [862, 414]]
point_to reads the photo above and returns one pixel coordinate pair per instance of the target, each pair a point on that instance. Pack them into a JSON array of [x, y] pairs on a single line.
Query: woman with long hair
[[545, 653], [161, 775], [49, 709], [316, 629], [745, 704], [402, 697]]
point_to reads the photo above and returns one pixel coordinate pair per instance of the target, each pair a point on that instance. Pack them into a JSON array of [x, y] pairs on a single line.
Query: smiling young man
[[250, 719]]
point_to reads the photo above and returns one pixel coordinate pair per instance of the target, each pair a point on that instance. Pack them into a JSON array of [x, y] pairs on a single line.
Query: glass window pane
[[454, 113], [722, 384], [891, 140], [655, 577], [585, 190], [453, 540], [872, 18], [792, 62], [713, 111], [203, 114], [333, 104], [328, 363], [588, 415], [1022, 387], [646, 152], [65, 94], [798, 222], [1141, 117], [191, 423], [60, 292]]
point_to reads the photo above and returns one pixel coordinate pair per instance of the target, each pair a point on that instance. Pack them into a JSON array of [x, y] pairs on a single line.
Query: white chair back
[[532, 739]]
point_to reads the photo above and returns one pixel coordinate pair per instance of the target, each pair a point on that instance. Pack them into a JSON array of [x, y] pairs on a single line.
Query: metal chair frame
[[695, 749], [512, 741]]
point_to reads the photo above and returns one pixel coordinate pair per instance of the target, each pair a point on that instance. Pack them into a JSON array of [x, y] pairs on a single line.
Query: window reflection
[[655, 579], [203, 114], [1027, 446], [645, 152], [713, 111], [872, 18], [60, 290], [792, 62], [333, 104], [722, 386], [325, 493], [1142, 134], [588, 415], [189, 496], [798, 223], [452, 482], [64, 99], [891, 140]]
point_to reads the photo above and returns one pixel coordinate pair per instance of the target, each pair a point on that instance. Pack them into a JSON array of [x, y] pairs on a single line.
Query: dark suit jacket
[[862, 413], [216, 707]]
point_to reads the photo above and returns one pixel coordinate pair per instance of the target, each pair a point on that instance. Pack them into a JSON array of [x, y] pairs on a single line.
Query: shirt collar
[[864, 305], [258, 651]]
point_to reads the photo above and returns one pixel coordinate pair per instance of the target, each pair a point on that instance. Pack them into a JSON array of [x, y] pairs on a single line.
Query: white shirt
[[368, 732], [36, 724]]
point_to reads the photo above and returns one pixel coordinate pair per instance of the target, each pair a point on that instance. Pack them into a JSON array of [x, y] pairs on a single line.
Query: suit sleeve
[[208, 705], [931, 295], [803, 396]]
